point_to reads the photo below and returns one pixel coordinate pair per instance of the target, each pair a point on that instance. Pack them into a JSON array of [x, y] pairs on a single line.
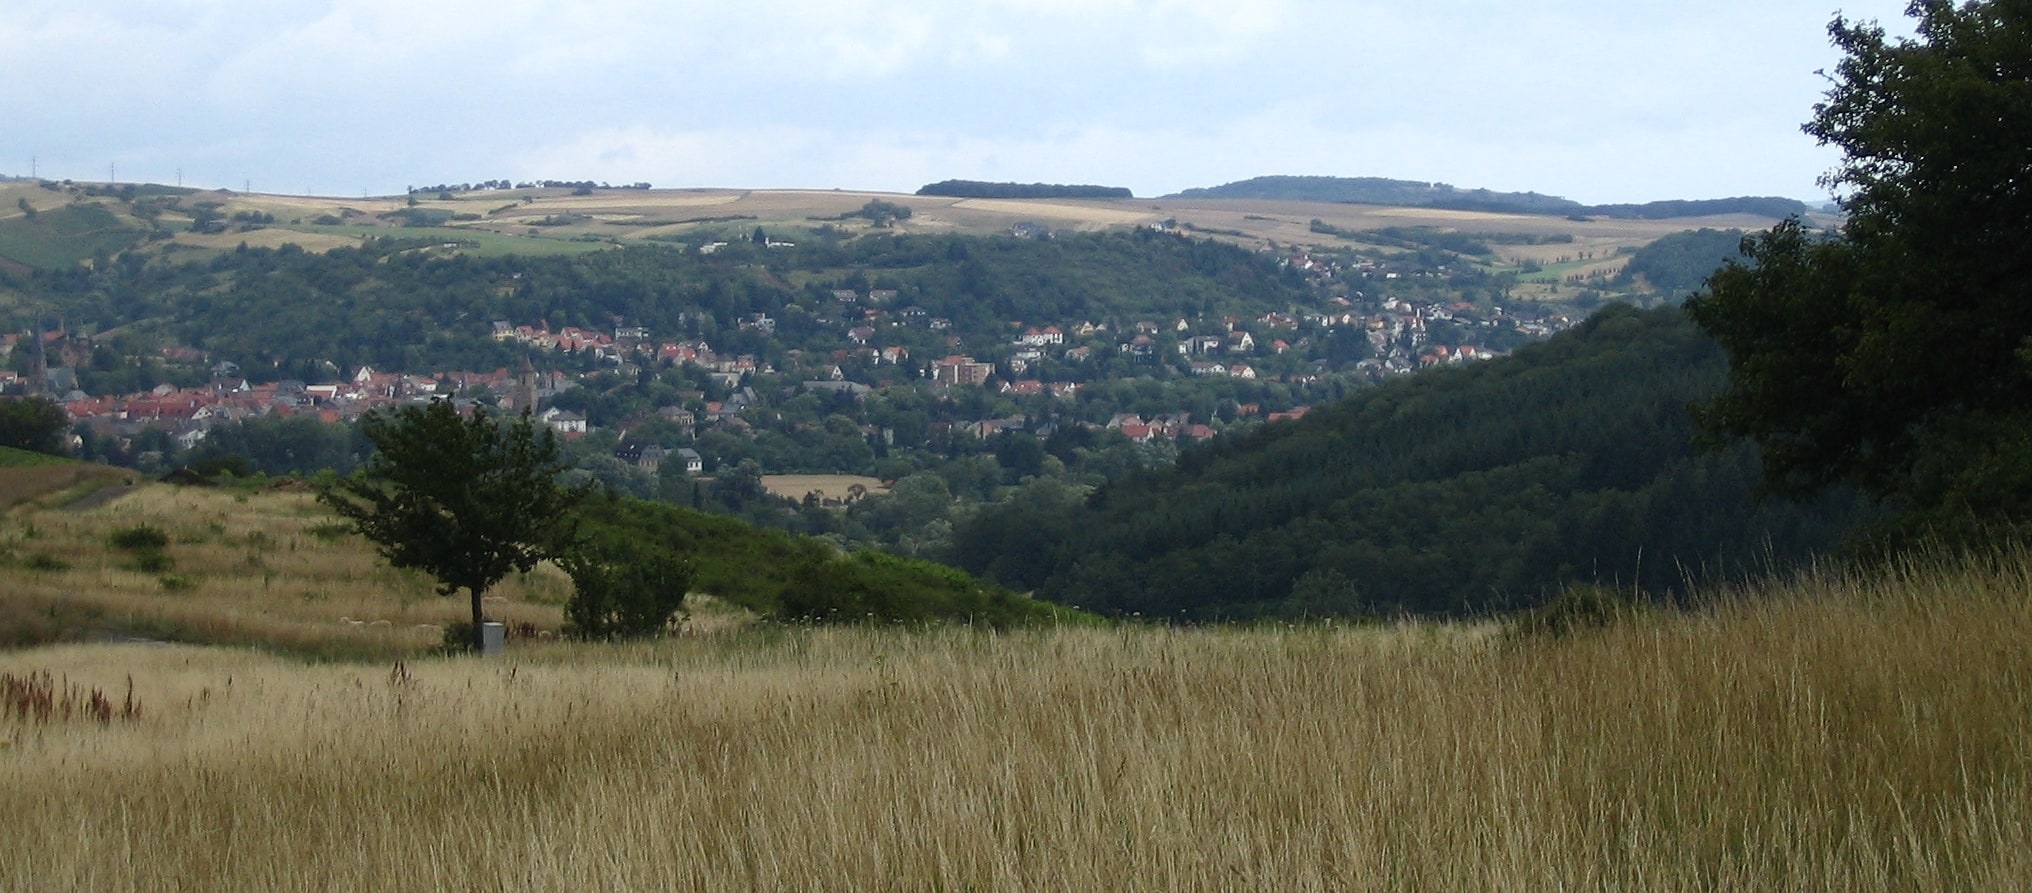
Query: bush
[[1579, 607], [152, 561], [43, 561], [876, 587], [624, 589], [142, 538], [458, 637]]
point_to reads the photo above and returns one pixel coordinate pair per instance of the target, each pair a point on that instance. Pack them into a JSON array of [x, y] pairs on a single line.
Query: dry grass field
[[56, 483], [827, 486], [272, 569], [1841, 733], [1850, 736]]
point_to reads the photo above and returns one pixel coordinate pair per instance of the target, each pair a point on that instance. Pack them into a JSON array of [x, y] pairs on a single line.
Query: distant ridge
[[979, 189], [1412, 193]]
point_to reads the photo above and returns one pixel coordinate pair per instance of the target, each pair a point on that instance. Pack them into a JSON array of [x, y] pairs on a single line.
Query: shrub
[[1579, 607], [43, 561], [624, 589], [142, 538], [458, 637], [152, 561]]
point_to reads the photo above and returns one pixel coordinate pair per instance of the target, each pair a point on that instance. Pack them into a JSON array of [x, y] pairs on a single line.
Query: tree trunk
[[479, 628]]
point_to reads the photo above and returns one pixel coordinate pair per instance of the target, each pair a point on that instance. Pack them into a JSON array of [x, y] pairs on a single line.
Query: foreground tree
[[36, 424], [466, 499], [1896, 354]]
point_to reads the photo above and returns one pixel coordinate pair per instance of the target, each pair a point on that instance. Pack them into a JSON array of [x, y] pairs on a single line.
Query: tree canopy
[[35, 424], [1895, 354], [464, 498]]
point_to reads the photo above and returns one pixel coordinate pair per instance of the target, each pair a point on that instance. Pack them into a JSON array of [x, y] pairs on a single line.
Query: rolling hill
[[1412, 193], [49, 225], [1453, 492]]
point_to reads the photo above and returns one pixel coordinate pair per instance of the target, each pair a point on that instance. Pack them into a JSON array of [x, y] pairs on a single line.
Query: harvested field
[[1097, 214], [828, 486]]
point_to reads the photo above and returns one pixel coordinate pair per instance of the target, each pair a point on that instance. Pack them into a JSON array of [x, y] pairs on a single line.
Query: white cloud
[[1597, 99]]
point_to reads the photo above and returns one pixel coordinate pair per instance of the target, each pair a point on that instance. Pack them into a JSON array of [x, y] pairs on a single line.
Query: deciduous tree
[[33, 423], [1896, 354], [464, 498]]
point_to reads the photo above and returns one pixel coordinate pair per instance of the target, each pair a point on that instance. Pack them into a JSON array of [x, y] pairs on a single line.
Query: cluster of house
[[1165, 427], [1395, 329], [187, 414], [628, 343]]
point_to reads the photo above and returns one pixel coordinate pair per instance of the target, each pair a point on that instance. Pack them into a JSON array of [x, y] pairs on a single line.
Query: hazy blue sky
[[1594, 100]]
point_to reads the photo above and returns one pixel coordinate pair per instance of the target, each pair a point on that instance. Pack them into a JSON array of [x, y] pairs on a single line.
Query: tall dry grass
[[1844, 734]]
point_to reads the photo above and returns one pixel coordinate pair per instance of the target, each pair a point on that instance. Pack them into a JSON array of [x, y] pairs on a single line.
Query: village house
[[961, 370], [693, 462], [1036, 337], [564, 421], [647, 457]]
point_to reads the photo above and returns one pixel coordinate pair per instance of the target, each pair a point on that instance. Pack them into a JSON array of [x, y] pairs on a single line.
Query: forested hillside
[[1677, 265], [1453, 492], [1413, 193], [979, 189], [402, 305]]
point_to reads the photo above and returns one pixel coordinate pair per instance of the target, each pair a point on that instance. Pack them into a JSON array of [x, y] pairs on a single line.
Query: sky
[[1594, 100]]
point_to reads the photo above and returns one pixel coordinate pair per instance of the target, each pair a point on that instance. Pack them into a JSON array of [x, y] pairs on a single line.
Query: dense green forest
[[1452, 492], [1413, 193], [979, 189], [286, 312], [1762, 206]]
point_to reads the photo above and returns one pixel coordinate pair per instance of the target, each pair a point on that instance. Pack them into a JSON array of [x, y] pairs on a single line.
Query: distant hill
[[978, 189], [1679, 264], [1449, 493], [1412, 193], [1762, 206], [1381, 191]]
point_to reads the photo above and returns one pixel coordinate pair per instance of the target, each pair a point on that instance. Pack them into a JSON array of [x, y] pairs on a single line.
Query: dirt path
[[100, 497]]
